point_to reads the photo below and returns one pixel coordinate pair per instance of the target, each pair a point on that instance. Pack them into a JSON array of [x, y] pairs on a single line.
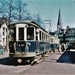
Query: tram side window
[[40, 35], [30, 33], [21, 33], [12, 34]]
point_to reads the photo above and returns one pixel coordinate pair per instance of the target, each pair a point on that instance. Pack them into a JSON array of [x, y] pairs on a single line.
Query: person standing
[[59, 49], [64, 47], [68, 47]]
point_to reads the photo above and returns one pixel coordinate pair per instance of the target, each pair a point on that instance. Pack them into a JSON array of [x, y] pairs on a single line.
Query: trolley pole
[[48, 22]]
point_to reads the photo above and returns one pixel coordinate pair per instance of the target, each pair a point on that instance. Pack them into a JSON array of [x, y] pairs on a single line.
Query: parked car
[[1, 50]]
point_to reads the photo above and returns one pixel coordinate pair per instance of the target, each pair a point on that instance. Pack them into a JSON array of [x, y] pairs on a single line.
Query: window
[[21, 33], [30, 33], [40, 35], [12, 34], [3, 39], [3, 31]]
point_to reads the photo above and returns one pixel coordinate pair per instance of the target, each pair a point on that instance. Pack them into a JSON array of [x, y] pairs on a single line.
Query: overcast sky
[[49, 9]]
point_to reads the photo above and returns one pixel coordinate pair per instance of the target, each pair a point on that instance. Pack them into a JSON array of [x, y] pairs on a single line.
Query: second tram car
[[29, 41]]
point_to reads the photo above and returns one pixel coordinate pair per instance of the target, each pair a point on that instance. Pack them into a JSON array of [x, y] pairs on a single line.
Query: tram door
[[21, 43], [20, 40]]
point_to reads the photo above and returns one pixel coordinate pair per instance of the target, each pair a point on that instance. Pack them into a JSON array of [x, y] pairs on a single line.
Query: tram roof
[[27, 22]]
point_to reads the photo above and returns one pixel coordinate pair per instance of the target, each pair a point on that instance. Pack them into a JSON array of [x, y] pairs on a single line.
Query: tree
[[7, 8], [1, 7], [28, 16], [37, 18], [10, 9], [20, 10], [14, 10]]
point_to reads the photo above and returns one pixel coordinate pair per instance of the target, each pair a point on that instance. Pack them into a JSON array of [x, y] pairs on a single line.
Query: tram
[[29, 42]]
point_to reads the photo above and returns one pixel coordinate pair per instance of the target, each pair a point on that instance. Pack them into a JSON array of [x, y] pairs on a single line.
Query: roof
[[27, 22], [2, 21]]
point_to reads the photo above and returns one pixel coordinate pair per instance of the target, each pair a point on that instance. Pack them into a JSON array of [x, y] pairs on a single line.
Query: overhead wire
[[37, 8], [50, 27], [46, 16], [43, 9]]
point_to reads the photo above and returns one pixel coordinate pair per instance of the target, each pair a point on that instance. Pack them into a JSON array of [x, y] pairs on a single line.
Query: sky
[[49, 10]]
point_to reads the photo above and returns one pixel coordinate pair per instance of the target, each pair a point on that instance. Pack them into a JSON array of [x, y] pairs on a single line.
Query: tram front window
[[21, 33], [30, 33], [12, 34]]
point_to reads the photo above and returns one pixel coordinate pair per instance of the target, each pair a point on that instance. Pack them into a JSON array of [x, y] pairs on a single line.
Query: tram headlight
[[28, 44], [26, 26], [19, 60], [37, 30]]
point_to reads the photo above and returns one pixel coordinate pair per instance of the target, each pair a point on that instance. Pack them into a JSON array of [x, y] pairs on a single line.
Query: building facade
[[3, 32], [67, 36]]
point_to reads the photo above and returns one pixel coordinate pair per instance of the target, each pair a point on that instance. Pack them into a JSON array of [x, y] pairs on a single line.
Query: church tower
[[59, 23]]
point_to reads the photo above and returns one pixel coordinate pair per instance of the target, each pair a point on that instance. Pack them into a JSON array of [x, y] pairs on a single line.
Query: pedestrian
[[64, 47], [68, 47], [59, 48]]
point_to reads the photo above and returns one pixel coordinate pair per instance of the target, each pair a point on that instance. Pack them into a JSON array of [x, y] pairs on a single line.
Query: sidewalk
[[4, 57], [6, 54]]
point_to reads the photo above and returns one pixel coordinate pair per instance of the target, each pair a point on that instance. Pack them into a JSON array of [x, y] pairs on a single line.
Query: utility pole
[[48, 22]]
